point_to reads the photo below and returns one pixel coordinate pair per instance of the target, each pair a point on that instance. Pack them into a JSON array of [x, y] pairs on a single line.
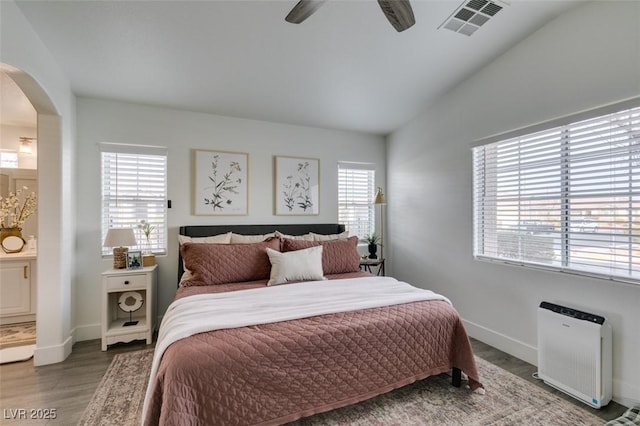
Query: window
[[356, 187], [566, 197], [8, 158], [134, 188]]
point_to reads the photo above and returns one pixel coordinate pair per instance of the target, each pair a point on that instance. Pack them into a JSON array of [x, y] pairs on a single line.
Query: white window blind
[[134, 188], [8, 159], [567, 197], [356, 188]]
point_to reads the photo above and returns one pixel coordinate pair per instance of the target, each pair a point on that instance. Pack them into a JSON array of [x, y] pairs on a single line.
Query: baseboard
[[626, 388], [52, 354], [503, 342], [88, 332], [17, 319]]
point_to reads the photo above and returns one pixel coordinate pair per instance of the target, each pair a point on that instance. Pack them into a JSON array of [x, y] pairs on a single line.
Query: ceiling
[[345, 67]]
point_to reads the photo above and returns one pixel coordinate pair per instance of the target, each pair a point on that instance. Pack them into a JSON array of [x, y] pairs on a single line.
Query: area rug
[[16, 354], [509, 400], [631, 417], [119, 397], [21, 334]]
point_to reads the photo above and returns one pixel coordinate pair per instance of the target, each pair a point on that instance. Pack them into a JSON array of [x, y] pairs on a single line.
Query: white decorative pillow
[[320, 237], [250, 239], [299, 265], [214, 239], [305, 237]]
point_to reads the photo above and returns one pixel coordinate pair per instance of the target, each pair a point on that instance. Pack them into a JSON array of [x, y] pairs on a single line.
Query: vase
[[6, 232], [146, 248], [373, 249], [11, 232]]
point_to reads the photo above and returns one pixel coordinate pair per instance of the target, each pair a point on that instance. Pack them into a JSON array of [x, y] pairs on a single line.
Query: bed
[[233, 350]]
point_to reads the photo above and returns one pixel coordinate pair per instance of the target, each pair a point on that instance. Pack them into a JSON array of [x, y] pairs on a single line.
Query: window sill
[[617, 280]]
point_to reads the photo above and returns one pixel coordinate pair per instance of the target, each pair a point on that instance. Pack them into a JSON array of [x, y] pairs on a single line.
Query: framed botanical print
[[297, 186], [221, 182]]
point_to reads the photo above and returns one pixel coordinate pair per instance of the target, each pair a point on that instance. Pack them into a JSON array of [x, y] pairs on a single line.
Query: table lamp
[[120, 239]]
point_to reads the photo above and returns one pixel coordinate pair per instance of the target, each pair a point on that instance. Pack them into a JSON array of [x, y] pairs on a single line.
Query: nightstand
[[128, 288], [366, 264]]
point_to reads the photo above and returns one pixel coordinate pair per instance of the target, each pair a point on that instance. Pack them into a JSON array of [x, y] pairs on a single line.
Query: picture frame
[[134, 259], [297, 186], [220, 183]]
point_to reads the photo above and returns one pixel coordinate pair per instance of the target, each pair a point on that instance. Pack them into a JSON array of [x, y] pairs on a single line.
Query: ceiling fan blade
[[303, 10], [399, 13]]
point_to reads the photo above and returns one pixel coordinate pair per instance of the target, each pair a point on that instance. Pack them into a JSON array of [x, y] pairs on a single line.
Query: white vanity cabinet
[[17, 288]]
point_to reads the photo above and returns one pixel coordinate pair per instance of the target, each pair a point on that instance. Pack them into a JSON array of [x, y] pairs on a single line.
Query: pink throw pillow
[[227, 263], [338, 256]]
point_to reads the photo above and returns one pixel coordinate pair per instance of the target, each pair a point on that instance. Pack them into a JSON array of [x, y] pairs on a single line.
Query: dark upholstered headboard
[[289, 229]]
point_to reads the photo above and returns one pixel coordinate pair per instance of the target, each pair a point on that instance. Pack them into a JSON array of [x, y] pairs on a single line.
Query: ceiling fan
[[398, 12]]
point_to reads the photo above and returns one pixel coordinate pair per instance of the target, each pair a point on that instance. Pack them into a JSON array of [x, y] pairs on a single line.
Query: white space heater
[[575, 353]]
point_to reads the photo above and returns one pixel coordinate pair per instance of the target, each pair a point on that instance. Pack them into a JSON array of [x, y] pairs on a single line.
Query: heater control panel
[[573, 313]]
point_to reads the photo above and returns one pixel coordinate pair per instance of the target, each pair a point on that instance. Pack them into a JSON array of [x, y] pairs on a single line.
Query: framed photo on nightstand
[[134, 259]]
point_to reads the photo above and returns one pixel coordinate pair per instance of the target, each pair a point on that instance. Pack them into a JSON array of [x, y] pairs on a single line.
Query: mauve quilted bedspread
[[276, 373]]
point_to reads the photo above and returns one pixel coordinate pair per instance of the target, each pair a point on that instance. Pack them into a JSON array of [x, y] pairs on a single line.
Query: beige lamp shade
[[120, 239], [379, 197]]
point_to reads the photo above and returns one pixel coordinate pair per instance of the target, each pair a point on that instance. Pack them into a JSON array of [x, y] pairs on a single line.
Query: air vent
[[471, 15]]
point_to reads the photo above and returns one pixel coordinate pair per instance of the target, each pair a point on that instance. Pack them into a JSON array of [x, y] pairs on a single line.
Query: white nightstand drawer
[[122, 282]]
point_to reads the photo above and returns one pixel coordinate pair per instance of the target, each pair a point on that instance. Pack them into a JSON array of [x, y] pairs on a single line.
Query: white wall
[[10, 139], [27, 61], [588, 57], [180, 131]]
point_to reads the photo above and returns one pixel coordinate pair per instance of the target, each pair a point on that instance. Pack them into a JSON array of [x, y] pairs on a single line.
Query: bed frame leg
[[456, 377]]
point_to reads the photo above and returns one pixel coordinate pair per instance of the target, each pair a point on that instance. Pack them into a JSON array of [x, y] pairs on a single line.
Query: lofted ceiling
[[345, 67]]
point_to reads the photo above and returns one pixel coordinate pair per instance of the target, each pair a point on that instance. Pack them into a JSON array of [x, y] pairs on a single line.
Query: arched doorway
[[18, 176], [53, 288]]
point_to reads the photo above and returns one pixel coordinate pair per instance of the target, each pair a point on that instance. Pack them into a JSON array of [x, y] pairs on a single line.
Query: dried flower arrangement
[[13, 213]]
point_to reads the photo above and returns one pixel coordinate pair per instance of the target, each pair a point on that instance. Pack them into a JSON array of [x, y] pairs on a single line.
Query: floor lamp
[[379, 199]]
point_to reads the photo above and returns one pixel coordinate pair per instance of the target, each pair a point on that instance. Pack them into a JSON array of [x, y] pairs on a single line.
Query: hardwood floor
[[67, 387]]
